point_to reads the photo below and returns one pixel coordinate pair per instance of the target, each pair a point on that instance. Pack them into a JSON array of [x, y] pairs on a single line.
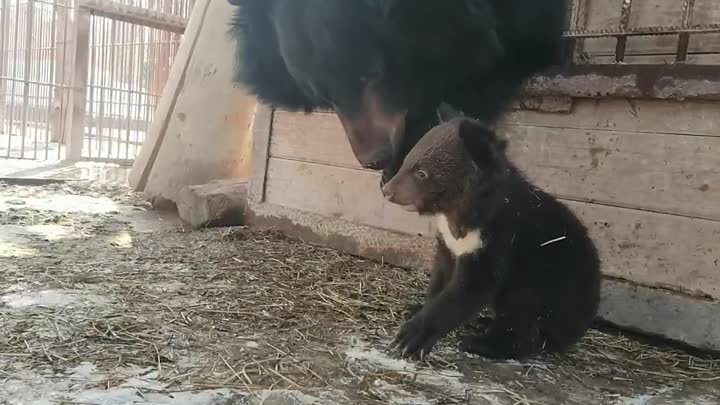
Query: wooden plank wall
[[644, 176], [605, 14]]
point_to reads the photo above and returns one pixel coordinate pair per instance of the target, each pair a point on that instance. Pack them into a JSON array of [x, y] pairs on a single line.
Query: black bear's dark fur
[[400, 57], [533, 262]]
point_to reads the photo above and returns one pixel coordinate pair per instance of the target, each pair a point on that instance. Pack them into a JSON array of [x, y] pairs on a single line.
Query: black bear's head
[[383, 64]]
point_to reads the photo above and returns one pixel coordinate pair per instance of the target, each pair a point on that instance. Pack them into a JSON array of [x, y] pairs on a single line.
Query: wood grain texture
[[668, 173], [337, 192], [644, 116], [658, 172], [317, 137], [652, 249], [656, 250]]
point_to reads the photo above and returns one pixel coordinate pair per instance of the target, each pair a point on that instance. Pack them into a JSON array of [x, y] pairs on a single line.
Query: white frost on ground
[[80, 386], [62, 203], [365, 360], [51, 298], [664, 396]]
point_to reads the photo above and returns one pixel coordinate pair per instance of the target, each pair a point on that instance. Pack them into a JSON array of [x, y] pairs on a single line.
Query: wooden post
[[63, 62], [79, 84]]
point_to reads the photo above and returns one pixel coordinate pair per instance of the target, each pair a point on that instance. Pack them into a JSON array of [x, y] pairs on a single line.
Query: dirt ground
[[103, 301]]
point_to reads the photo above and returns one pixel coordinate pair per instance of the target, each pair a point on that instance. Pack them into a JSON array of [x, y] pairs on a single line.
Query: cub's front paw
[[416, 338]]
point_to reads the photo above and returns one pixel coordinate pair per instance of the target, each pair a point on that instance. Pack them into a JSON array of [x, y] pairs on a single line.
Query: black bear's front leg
[[464, 296], [440, 276]]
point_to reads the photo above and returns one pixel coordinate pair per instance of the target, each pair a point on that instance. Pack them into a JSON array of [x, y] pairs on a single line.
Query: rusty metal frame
[[678, 81]]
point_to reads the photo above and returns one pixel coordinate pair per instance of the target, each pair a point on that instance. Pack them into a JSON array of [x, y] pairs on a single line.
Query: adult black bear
[[502, 242], [384, 66]]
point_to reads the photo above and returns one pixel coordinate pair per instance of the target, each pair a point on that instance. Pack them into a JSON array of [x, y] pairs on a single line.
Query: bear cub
[[502, 242]]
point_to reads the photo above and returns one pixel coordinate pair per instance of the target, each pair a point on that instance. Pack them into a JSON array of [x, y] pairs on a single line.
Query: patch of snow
[[365, 359], [63, 203], [51, 298]]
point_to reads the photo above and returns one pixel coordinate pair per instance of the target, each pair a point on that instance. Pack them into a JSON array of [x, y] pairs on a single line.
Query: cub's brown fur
[[502, 242]]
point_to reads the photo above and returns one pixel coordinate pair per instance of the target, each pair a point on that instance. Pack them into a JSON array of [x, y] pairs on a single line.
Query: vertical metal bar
[[623, 25], [111, 106], [142, 60], [152, 47], [13, 76], [65, 83], [41, 69], [4, 29], [103, 80], [91, 121], [130, 88], [29, 17], [684, 38], [119, 85]]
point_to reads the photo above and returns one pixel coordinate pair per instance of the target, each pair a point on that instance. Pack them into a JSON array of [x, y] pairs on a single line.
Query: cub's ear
[[483, 146]]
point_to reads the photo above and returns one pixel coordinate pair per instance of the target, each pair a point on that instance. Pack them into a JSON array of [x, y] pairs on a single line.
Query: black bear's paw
[[415, 338], [480, 345]]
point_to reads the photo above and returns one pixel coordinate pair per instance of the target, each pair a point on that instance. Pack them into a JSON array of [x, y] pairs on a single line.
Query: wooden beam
[[670, 82], [63, 70], [135, 15], [156, 132]]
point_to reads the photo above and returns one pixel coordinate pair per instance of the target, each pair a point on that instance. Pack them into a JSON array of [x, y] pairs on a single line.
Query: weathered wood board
[[644, 177], [667, 173], [349, 194]]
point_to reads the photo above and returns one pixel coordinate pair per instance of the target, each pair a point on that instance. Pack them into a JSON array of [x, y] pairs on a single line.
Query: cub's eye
[[421, 174]]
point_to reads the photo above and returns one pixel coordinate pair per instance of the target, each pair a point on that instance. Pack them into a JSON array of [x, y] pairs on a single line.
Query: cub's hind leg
[[516, 331]]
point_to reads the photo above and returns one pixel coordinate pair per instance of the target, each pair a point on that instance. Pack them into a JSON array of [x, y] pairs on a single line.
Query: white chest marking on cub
[[469, 243]]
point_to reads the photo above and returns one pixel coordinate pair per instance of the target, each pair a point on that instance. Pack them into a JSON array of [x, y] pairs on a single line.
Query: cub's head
[[453, 160]]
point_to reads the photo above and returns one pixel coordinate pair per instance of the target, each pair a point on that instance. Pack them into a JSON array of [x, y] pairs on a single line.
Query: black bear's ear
[[446, 112], [482, 144]]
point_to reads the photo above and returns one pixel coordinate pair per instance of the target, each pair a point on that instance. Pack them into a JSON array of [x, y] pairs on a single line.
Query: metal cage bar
[[679, 81], [131, 46]]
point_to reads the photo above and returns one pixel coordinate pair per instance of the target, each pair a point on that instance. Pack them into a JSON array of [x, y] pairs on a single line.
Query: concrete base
[[675, 316], [219, 203]]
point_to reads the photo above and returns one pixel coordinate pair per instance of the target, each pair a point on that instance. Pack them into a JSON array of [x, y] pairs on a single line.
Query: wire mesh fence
[[128, 61], [32, 57]]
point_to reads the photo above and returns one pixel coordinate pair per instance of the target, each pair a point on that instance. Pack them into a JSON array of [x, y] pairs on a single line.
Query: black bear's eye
[[421, 174]]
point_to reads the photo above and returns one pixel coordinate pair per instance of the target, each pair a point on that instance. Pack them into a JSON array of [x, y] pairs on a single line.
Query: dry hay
[[216, 296], [250, 310]]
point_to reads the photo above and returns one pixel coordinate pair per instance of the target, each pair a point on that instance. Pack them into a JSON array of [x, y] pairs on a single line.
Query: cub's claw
[[415, 338]]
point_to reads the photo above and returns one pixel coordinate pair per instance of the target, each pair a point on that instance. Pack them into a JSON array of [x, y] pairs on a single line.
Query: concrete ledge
[[675, 316], [218, 203]]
